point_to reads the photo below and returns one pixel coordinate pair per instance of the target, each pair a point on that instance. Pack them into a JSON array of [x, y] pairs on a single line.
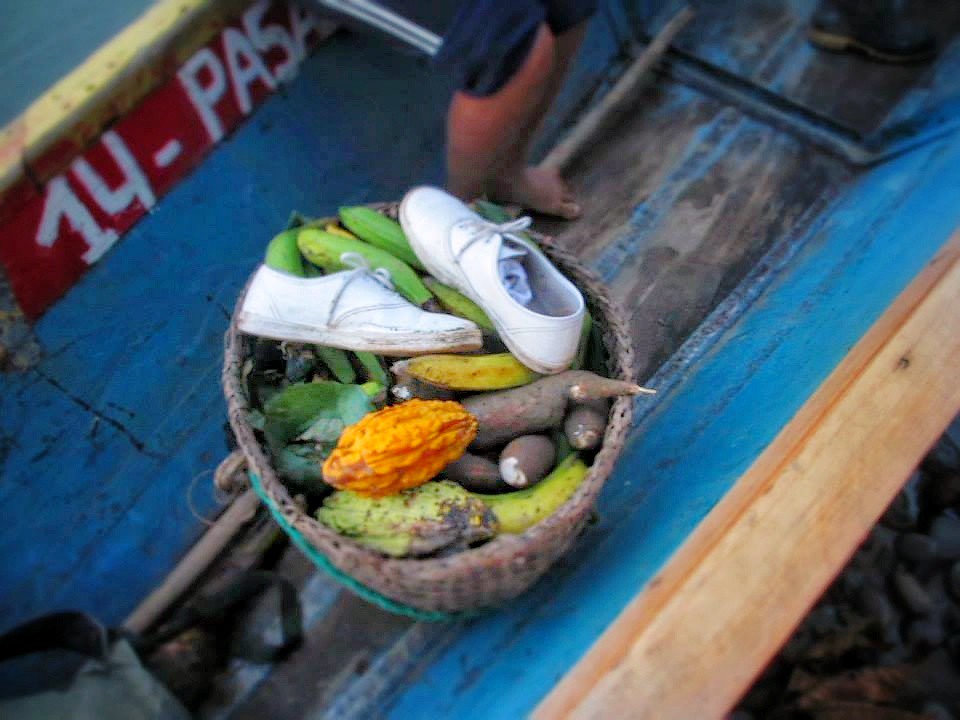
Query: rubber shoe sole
[[396, 345]]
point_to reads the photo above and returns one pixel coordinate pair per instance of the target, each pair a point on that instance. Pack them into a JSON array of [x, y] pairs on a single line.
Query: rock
[[877, 555], [822, 620], [953, 647], [942, 491], [916, 548], [925, 633], [935, 711], [911, 593], [796, 648], [850, 582], [944, 457], [902, 513], [953, 581], [946, 531], [874, 604], [894, 656]]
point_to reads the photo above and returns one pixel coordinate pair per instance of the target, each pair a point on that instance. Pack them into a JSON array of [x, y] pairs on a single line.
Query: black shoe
[[882, 30]]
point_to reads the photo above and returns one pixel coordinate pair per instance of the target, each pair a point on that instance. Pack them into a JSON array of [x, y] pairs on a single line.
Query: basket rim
[[621, 357]]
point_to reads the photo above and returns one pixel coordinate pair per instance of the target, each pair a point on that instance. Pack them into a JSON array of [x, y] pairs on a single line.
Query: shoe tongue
[[513, 274]]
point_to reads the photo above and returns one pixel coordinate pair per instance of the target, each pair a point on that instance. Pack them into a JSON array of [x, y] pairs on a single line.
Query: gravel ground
[[884, 641]]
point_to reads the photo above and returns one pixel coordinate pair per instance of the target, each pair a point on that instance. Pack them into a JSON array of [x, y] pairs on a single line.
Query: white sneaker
[[462, 249], [354, 310]]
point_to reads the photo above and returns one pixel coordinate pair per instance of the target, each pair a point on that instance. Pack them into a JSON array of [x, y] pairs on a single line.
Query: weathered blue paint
[[705, 434], [99, 444], [101, 441]]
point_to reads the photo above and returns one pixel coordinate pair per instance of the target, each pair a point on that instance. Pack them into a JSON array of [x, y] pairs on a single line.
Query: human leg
[[483, 130], [490, 134], [540, 188]]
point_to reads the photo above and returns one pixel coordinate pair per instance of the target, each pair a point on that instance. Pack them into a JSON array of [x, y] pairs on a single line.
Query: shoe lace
[[485, 231], [359, 266]]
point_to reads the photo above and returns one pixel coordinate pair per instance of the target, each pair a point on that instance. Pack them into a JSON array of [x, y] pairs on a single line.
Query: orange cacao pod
[[399, 447]]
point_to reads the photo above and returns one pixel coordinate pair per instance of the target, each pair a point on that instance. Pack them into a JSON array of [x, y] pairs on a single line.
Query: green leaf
[[323, 430], [302, 466], [296, 408]]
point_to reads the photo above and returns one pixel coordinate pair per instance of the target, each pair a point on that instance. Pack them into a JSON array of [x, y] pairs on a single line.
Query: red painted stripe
[[49, 239]]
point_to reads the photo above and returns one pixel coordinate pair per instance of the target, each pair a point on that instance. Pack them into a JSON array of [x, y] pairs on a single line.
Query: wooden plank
[[620, 96], [684, 456], [766, 42], [692, 642]]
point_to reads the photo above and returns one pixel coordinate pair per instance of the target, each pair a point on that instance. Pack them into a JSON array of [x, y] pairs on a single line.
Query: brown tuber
[[539, 406], [526, 460], [585, 424], [476, 474]]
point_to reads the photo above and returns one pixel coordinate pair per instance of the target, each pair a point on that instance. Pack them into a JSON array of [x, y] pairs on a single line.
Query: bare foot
[[539, 189]]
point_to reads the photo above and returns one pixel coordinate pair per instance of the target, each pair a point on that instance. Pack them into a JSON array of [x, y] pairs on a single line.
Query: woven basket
[[474, 579]]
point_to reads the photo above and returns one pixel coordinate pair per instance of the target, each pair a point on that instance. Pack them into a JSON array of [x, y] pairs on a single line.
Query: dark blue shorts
[[488, 40], [484, 42]]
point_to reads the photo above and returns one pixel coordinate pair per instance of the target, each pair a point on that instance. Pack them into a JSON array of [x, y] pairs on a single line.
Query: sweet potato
[[526, 460], [476, 474], [539, 406]]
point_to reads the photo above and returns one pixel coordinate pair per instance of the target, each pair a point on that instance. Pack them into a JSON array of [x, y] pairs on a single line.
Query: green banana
[[373, 368], [377, 393], [283, 254], [491, 211], [326, 250], [381, 231], [418, 521], [497, 214], [459, 304], [338, 363], [518, 511]]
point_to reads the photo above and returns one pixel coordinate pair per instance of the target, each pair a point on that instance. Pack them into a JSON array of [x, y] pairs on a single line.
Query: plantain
[[326, 250], [372, 367], [283, 254], [419, 521], [381, 231], [518, 511], [459, 304], [467, 372], [338, 363]]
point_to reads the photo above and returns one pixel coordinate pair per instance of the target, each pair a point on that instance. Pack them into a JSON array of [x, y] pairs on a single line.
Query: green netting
[[347, 580]]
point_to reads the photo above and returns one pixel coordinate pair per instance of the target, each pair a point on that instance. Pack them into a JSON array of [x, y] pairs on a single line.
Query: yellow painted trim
[[110, 82]]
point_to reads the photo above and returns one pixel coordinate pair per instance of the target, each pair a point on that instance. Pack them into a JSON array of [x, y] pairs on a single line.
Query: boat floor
[[704, 195], [689, 201]]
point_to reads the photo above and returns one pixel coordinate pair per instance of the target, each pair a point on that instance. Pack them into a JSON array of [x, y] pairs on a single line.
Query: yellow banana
[[468, 372], [518, 511]]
